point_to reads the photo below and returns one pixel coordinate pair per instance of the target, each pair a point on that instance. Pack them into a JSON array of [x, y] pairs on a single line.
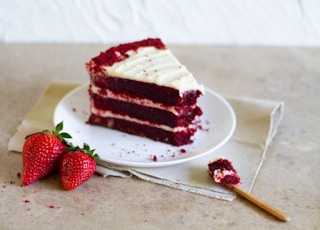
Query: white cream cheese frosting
[[152, 65]]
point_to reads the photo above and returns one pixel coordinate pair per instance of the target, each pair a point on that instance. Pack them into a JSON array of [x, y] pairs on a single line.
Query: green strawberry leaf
[[86, 149], [61, 135], [58, 128], [65, 135]]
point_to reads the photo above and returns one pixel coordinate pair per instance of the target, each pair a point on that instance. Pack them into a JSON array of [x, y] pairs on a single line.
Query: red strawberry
[[41, 153], [77, 166]]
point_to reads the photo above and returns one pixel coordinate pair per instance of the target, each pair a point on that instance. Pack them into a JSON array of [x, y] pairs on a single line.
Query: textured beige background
[[288, 178]]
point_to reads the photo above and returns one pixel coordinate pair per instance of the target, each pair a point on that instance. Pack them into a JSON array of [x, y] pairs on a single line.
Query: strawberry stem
[[86, 149], [61, 135], [56, 132], [58, 129]]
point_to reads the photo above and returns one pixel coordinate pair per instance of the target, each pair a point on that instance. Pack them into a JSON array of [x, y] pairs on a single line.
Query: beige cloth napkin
[[257, 122]]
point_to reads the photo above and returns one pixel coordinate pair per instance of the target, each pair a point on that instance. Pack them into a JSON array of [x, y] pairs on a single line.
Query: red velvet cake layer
[[176, 139], [111, 56], [186, 114], [162, 94]]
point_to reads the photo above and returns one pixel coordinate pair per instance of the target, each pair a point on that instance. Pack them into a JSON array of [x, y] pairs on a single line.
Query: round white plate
[[217, 125]]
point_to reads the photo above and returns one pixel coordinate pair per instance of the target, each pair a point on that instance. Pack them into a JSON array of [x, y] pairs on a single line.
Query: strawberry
[[77, 166], [41, 153]]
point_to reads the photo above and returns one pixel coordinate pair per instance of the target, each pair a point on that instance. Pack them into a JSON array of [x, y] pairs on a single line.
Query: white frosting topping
[[152, 65]]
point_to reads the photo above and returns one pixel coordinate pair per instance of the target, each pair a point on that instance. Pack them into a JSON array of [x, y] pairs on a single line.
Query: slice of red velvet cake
[[142, 89]]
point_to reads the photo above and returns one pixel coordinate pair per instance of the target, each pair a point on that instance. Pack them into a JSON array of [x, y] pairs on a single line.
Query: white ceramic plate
[[218, 123]]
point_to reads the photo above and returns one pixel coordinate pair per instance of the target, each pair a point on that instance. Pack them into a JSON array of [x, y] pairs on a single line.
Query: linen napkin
[[257, 122]]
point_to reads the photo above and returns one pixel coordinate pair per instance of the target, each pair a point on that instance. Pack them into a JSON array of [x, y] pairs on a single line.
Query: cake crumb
[[182, 151]]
